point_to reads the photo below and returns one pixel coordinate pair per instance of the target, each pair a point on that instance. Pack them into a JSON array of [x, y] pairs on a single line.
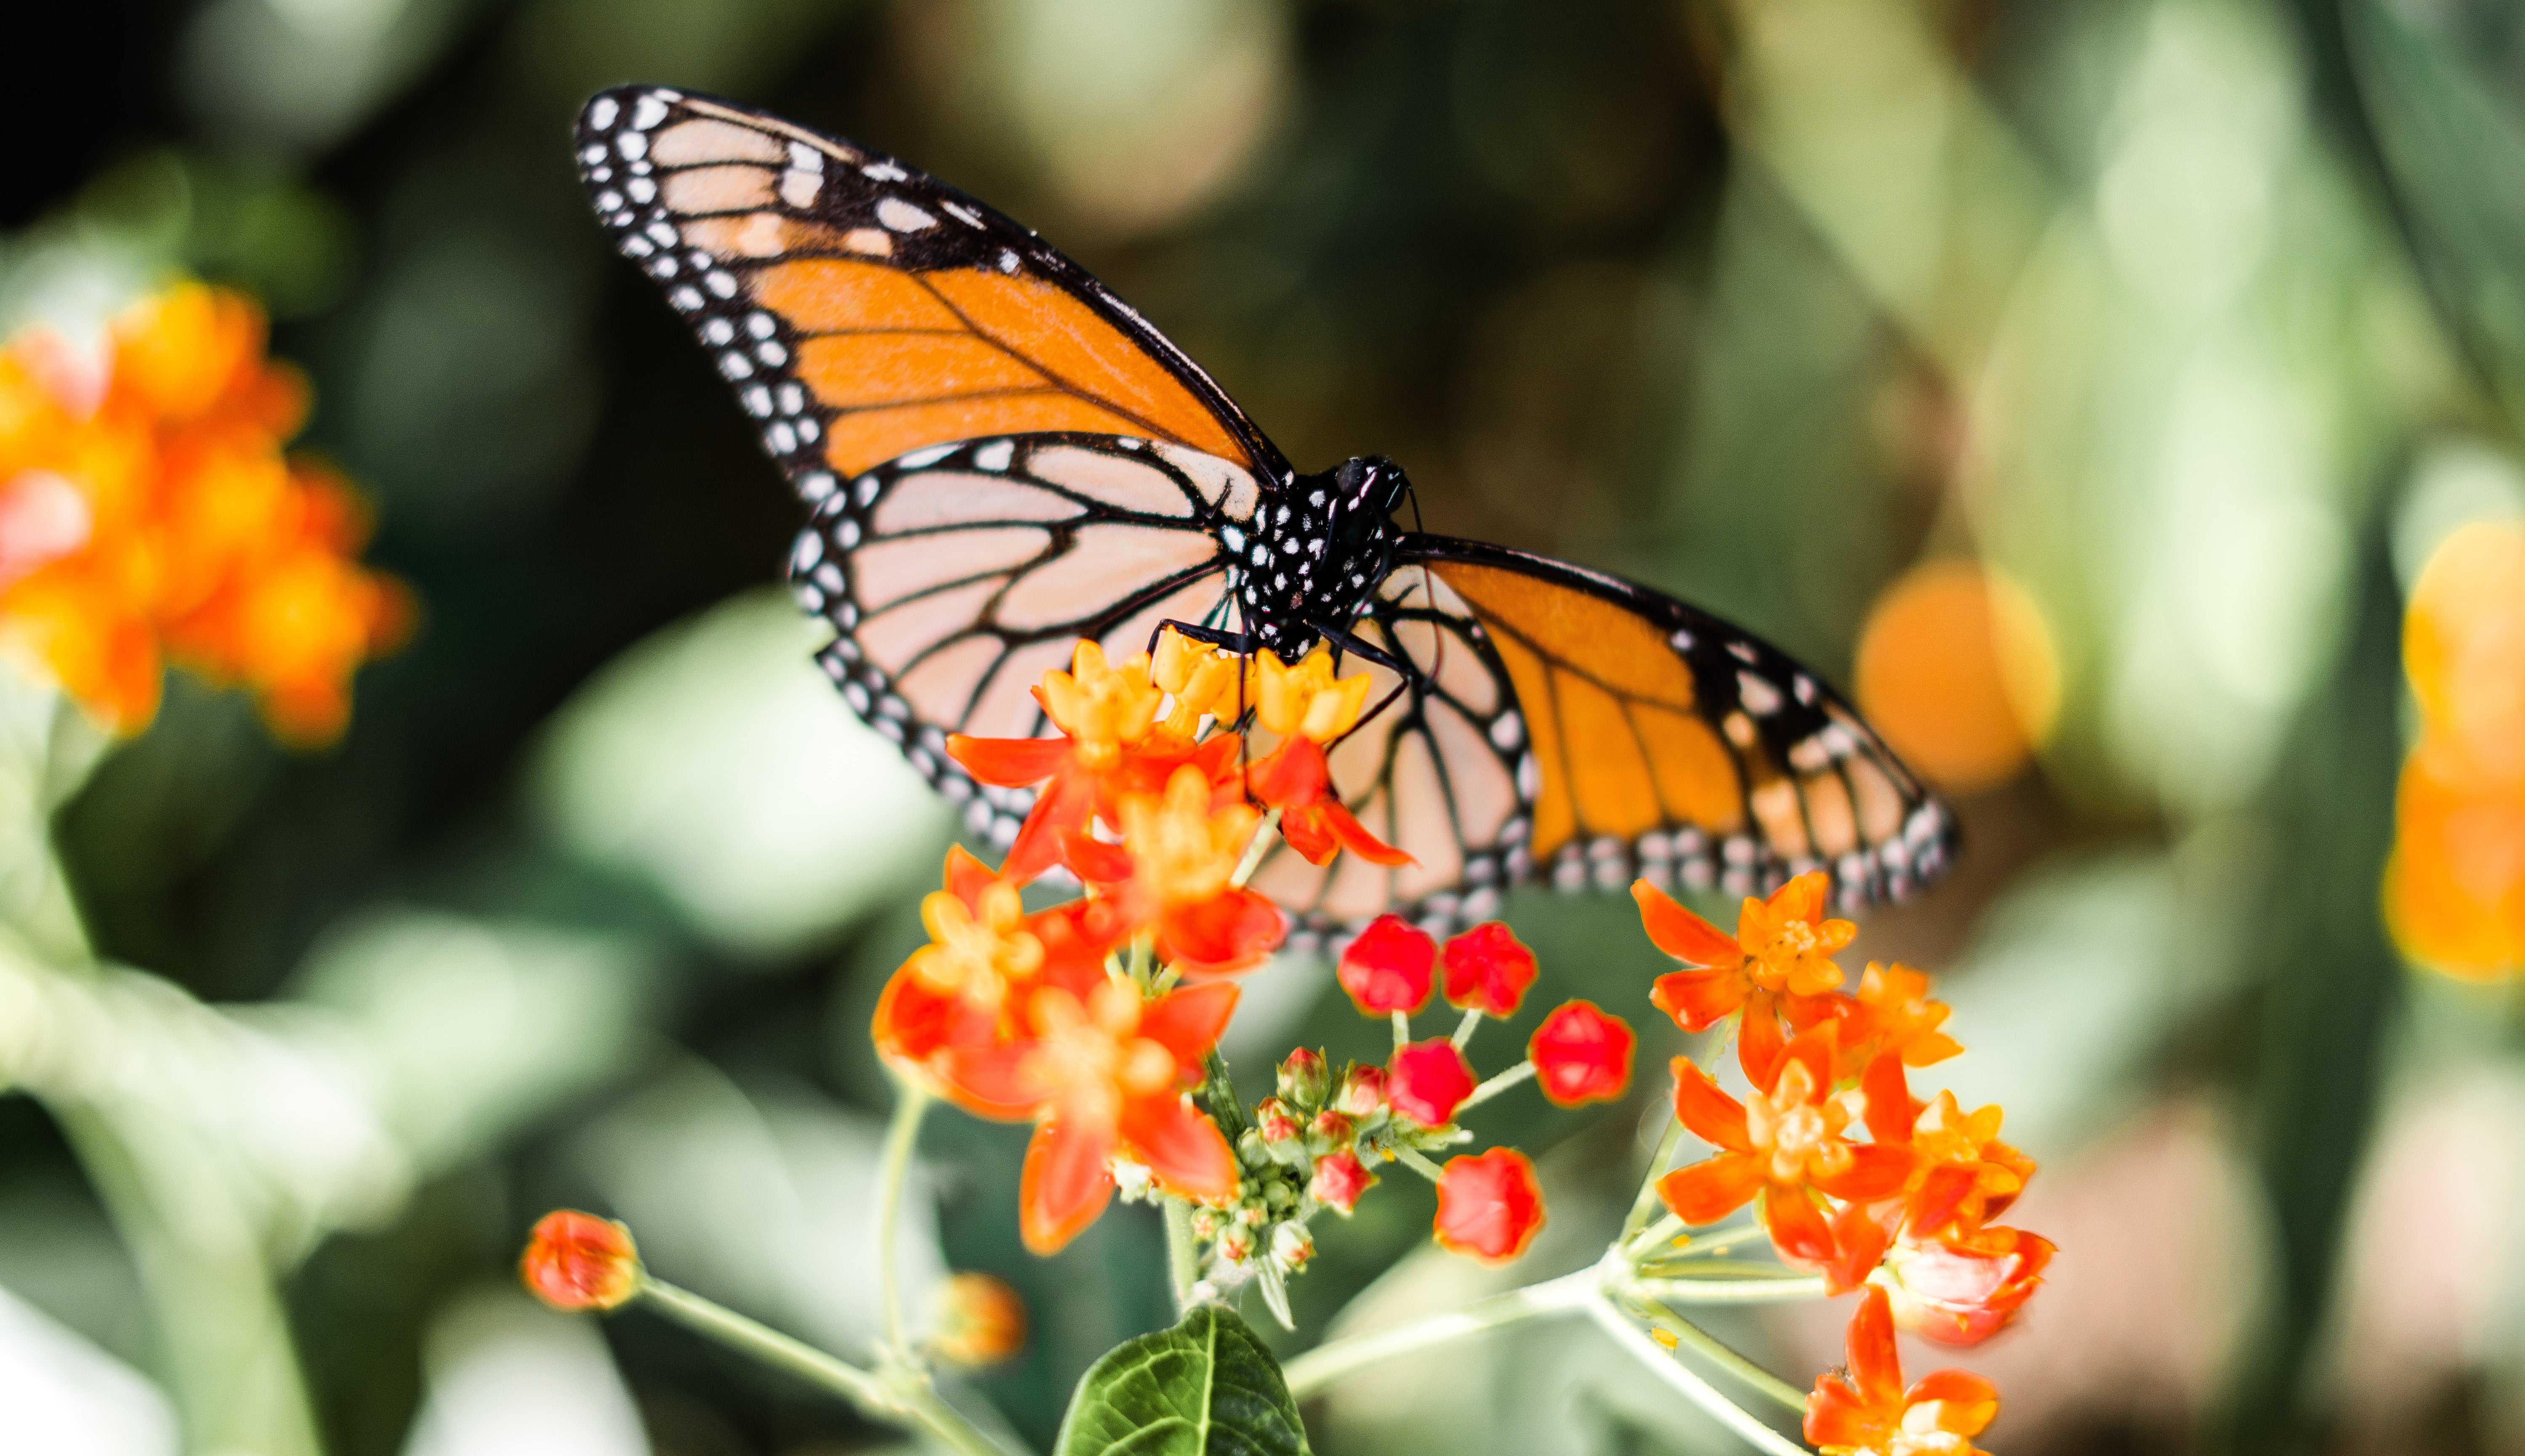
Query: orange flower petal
[[1182, 1146], [1711, 1115], [1682, 934], [1711, 1189], [1066, 1183]]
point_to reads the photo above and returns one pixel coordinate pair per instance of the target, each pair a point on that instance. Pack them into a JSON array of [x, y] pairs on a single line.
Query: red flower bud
[[1489, 1207], [1581, 1054], [1332, 1128], [1304, 1078], [1273, 1122], [1427, 1080], [1362, 1093], [578, 1261], [1340, 1178], [982, 1321], [1387, 968], [1488, 970]]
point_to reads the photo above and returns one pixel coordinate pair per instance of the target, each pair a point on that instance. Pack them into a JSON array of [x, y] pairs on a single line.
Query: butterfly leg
[[1407, 675], [1240, 643]]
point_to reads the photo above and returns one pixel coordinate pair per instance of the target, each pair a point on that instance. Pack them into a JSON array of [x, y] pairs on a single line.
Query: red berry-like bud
[[1362, 1093], [1488, 970], [1427, 1080], [1340, 1178], [1331, 1128], [1304, 1077], [1387, 969], [982, 1321], [578, 1261], [1581, 1054], [1272, 1120], [1489, 1207]]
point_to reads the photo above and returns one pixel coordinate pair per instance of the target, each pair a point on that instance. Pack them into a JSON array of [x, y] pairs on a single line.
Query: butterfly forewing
[[957, 576], [864, 311]]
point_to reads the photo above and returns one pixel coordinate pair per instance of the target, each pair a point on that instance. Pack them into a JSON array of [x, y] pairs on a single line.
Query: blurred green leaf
[[1206, 1387]]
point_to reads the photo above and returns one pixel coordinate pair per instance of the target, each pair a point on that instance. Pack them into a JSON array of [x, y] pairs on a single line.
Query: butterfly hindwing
[[864, 311], [956, 576], [1669, 743]]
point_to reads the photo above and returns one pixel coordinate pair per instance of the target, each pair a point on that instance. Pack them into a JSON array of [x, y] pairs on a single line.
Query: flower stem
[[1417, 1163], [903, 1400], [1254, 852], [901, 1135], [1498, 1084], [1332, 1360], [1758, 1290], [1692, 1388], [1709, 1347], [1464, 1029], [1647, 1200], [1184, 1253], [1703, 1245], [1654, 1236], [1402, 1030]]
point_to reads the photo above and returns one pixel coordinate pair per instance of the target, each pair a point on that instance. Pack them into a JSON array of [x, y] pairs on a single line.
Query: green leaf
[[1207, 1387]]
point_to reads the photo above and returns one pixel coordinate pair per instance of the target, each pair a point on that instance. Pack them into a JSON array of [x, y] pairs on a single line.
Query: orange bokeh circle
[[1956, 670]]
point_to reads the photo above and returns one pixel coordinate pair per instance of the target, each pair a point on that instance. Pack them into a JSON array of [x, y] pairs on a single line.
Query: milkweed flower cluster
[[1852, 1177], [148, 514], [2455, 889], [1096, 1019]]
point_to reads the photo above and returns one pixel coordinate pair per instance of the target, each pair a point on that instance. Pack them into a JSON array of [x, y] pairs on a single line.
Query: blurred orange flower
[[2454, 888], [148, 515], [1956, 668]]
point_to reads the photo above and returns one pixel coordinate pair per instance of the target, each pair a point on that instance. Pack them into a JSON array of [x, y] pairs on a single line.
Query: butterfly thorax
[[1318, 551]]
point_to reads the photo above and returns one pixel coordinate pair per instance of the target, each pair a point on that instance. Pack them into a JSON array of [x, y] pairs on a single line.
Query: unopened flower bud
[[1389, 967], [1488, 970], [1362, 1093], [1205, 1223], [1581, 1054], [577, 1261], [1273, 1122], [1490, 1206], [1252, 1215], [1427, 1080], [1340, 1178], [982, 1321], [1292, 1246], [1304, 1077], [1235, 1245], [1330, 1131]]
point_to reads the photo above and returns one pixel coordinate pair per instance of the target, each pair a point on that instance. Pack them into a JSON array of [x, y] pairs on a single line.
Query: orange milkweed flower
[[1176, 869], [1107, 1074], [1490, 1207], [967, 987], [1961, 1173], [1893, 1013], [1779, 959], [148, 515], [982, 1321], [576, 1261], [1863, 1410], [1958, 1290], [1110, 743], [1309, 708], [1784, 1143]]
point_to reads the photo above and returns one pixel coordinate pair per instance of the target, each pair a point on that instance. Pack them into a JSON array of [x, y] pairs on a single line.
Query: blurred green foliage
[[2203, 318]]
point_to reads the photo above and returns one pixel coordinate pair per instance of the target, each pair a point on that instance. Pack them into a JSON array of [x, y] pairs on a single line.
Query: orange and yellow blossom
[[1863, 1410], [147, 515], [1307, 706], [1780, 959], [1176, 869], [967, 989], [1106, 1075], [1112, 742], [1784, 1143]]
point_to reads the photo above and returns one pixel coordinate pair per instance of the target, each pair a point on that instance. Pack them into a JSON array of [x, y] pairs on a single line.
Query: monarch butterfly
[[1001, 458]]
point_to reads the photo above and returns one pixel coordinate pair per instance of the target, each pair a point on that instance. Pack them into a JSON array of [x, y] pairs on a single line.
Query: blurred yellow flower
[[2454, 888], [148, 515]]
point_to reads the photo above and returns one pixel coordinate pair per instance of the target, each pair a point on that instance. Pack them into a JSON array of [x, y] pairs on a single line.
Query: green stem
[[1497, 1084], [1771, 1291], [1708, 1346], [1254, 852], [1417, 1163], [1184, 1253], [1329, 1362], [901, 1135], [1703, 1245], [1692, 1388], [1654, 1237], [904, 1400], [1647, 1200], [1465, 1028], [1402, 1030]]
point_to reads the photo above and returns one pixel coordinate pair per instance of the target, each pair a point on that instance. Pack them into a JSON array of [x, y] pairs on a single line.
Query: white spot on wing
[[903, 217]]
